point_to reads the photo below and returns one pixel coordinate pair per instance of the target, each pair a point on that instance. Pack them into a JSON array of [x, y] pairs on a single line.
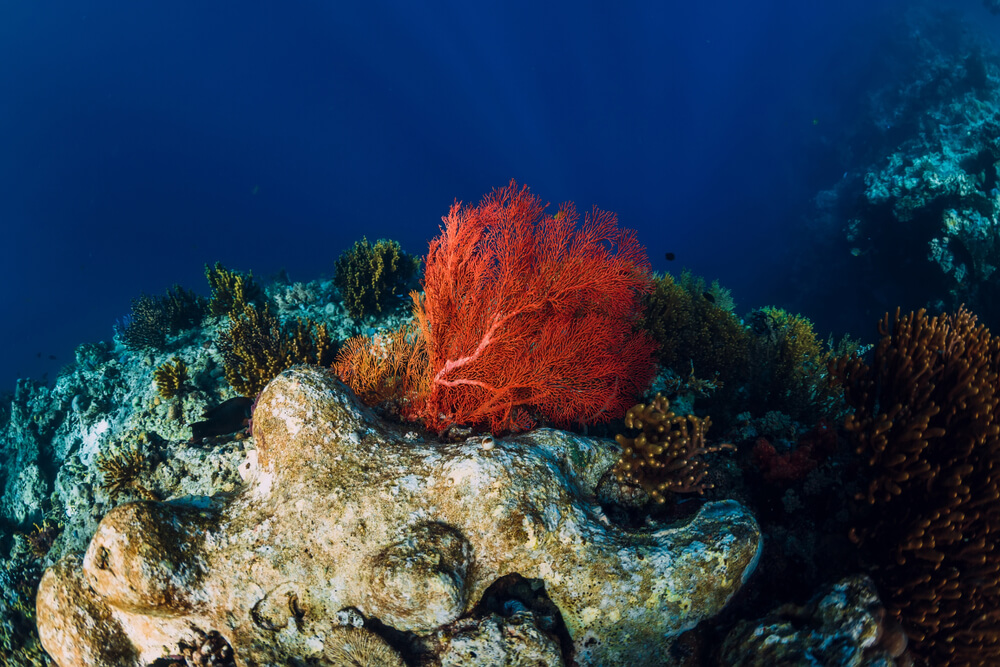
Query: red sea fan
[[525, 315]]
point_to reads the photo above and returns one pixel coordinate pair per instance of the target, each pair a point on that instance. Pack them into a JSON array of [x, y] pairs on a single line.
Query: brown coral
[[231, 291], [666, 455], [171, 378], [925, 419], [256, 347]]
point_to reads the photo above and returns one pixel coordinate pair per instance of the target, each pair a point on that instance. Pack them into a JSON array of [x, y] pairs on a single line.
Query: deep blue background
[[139, 141]]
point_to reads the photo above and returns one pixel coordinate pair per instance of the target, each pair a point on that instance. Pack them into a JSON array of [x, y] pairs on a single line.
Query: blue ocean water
[[142, 141]]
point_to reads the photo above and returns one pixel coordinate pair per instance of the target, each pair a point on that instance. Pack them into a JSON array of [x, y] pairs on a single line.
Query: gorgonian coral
[[526, 316]]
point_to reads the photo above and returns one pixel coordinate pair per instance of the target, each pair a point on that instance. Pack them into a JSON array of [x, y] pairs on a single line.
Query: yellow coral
[[171, 378], [231, 291], [255, 347]]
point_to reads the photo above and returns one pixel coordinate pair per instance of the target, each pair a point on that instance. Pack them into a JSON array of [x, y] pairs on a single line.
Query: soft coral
[[524, 314]]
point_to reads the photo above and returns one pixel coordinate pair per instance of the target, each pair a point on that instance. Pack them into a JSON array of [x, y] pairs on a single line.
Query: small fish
[[708, 297], [52, 357], [670, 256], [227, 417]]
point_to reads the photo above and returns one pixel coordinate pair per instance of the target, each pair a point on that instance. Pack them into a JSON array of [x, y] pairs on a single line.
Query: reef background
[[140, 144]]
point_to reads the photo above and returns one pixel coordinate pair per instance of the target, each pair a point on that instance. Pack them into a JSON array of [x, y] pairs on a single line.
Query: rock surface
[[340, 510], [844, 625]]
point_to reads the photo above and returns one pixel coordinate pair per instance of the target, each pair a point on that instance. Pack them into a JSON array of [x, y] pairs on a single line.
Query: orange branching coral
[[665, 457], [926, 420], [524, 316], [383, 367]]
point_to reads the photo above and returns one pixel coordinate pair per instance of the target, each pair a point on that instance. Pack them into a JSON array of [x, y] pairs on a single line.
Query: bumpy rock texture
[[845, 625], [342, 511]]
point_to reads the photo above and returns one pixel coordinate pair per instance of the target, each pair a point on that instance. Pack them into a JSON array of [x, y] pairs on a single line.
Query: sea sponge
[[370, 275]]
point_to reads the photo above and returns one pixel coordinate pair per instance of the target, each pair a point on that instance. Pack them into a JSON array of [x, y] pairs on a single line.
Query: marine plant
[[526, 317], [171, 378], [231, 291], [665, 456], [925, 418], [256, 347], [369, 275]]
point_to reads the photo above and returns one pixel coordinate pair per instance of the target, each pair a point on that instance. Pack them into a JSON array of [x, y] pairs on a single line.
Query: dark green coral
[[370, 275]]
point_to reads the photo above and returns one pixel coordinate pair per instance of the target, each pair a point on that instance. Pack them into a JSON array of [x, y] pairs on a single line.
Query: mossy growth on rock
[[256, 347], [171, 378], [370, 275], [231, 291]]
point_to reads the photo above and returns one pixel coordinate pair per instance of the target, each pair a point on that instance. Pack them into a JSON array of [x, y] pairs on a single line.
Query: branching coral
[[926, 421], [121, 471], [524, 316], [171, 378], [256, 347], [370, 275], [386, 366], [694, 333], [665, 457], [232, 292]]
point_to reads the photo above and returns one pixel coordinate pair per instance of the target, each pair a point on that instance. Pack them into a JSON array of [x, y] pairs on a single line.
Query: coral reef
[[171, 378], [525, 317], [341, 510], [370, 276], [665, 457], [925, 420], [232, 292], [844, 625], [920, 197], [255, 347]]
